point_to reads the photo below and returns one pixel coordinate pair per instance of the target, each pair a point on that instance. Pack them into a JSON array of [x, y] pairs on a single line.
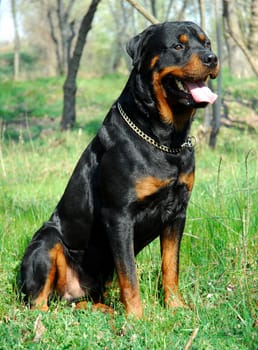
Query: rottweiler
[[133, 182]]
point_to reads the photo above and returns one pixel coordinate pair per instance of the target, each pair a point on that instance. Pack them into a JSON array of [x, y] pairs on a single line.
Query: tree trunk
[[253, 36], [208, 110], [66, 30], [61, 31], [16, 62], [153, 8], [121, 17], [69, 88], [233, 30], [216, 115], [55, 41]]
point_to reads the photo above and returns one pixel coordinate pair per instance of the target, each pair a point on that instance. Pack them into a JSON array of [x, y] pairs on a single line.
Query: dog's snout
[[210, 59]]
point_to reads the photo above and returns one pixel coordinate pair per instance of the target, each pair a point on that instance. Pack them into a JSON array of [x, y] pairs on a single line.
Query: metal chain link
[[187, 144]]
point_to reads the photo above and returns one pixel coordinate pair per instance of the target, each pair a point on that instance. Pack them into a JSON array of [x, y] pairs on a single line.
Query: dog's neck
[[144, 112]]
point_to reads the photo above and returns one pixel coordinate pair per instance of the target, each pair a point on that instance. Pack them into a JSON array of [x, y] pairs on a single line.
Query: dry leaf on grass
[[39, 328]]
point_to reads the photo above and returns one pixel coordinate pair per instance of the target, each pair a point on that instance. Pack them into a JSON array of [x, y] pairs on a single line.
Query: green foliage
[[29, 107], [28, 62], [36, 98], [234, 87], [218, 252]]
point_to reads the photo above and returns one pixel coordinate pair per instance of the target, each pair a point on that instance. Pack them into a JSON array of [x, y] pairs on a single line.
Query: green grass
[[37, 104], [245, 90], [218, 267], [28, 62]]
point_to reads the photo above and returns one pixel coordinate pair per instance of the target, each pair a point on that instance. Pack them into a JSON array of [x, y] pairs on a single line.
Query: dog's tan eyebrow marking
[[183, 38], [202, 37]]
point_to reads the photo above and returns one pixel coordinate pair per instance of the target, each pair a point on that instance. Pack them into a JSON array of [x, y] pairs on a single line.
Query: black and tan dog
[[133, 182]]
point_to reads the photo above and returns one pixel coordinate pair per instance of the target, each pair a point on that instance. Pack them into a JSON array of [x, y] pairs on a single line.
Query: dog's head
[[176, 58]]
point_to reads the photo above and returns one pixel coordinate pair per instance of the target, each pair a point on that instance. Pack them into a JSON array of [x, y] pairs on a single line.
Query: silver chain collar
[[189, 142]]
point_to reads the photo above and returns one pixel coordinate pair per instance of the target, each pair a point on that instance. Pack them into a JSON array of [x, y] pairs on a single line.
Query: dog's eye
[[178, 47]]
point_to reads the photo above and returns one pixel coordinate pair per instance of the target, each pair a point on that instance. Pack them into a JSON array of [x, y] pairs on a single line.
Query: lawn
[[218, 266]]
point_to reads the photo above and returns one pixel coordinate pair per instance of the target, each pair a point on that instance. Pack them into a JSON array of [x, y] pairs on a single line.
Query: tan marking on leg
[[130, 296], [61, 265], [83, 305], [61, 278], [67, 284], [103, 308], [170, 261], [56, 279], [41, 302], [148, 185]]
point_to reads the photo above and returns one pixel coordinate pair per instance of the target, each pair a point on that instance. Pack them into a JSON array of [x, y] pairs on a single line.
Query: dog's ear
[[135, 46]]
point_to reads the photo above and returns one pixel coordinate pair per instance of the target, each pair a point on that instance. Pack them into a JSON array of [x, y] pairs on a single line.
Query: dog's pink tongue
[[200, 92]]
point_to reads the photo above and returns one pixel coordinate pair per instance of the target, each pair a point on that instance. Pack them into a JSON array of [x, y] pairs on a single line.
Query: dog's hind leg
[[43, 268], [56, 277], [41, 301]]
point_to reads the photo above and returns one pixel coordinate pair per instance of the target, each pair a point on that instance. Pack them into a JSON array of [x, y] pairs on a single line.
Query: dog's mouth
[[190, 93]]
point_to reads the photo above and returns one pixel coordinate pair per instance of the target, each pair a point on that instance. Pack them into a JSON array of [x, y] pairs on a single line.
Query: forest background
[[49, 40]]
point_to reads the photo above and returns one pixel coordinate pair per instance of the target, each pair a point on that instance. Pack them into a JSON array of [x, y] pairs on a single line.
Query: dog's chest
[[158, 210], [160, 173], [162, 195]]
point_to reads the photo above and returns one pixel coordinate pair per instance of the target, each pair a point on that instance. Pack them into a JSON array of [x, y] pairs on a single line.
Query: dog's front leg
[[121, 243], [170, 246]]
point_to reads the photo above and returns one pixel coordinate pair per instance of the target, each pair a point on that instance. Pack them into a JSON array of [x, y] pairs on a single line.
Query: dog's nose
[[210, 59]]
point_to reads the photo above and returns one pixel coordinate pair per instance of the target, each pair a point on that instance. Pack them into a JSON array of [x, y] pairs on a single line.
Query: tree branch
[[144, 12], [244, 50], [55, 40], [69, 8]]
